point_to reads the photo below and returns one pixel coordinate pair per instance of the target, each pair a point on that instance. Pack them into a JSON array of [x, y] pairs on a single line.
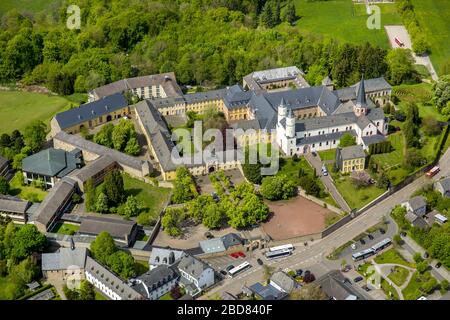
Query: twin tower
[[283, 113]]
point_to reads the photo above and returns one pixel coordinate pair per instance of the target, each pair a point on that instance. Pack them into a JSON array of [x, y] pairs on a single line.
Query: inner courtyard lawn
[[65, 228], [344, 21], [399, 275], [18, 109]]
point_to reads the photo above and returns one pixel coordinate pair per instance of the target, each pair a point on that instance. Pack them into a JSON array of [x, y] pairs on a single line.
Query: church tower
[[282, 110], [361, 101], [290, 124]]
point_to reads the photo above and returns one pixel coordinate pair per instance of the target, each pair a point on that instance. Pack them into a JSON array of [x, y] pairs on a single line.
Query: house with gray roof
[[164, 256], [335, 286], [443, 187], [415, 220], [120, 230], [264, 292], [283, 282], [196, 275], [14, 207], [50, 165], [416, 205], [54, 204], [64, 263], [157, 282], [350, 159], [225, 243]]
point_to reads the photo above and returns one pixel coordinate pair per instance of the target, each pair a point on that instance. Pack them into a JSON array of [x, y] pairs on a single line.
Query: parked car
[[347, 268], [259, 261], [299, 272], [241, 254], [215, 196], [223, 272], [229, 267], [382, 231], [403, 234], [234, 255], [358, 279], [324, 171], [353, 246], [425, 255], [365, 287], [438, 265], [370, 237], [362, 241], [314, 154], [209, 235]]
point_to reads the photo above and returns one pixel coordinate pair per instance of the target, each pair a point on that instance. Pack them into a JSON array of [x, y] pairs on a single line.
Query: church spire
[[361, 99]]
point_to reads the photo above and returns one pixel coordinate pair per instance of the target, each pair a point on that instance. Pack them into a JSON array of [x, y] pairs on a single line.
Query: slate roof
[[368, 140], [63, 259], [53, 201], [13, 204], [334, 286], [117, 228], [352, 152], [92, 110], [212, 245], [192, 266], [154, 279], [167, 256], [111, 281], [444, 183], [93, 168], [361, 98], [410, 216], [370, 85], [50, 162], [417, 202], [166, 80], [231, 239], [85, 145], [267, 292], [325, 122], [284, 281]]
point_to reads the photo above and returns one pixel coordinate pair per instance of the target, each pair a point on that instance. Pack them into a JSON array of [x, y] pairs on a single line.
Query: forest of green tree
[[206, 42]]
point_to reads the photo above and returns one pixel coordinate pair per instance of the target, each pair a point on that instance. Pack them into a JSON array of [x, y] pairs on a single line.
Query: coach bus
[[362, 254], [285, 246], [433, 171], [381, 245], [278, 254], [243, 266]]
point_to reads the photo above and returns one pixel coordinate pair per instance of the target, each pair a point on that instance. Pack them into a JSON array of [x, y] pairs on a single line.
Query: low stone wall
[[322, 203], [309, 237]]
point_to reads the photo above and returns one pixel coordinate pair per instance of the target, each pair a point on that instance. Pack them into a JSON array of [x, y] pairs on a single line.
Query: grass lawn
[[395, 157], [344, 21], [434, 17], [150, 197], [413, 290], [392, 256], [356, 198], [423, 71], [167, 296], [328, 155], [29, 193], [100, 296], [337, 252], [18, 109], [141, 267], [24, 5], [389, 290], [65, 228], [399, 275], [332, 218]]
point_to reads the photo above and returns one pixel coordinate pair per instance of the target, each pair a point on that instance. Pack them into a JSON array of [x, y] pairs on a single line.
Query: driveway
[[327, 181]]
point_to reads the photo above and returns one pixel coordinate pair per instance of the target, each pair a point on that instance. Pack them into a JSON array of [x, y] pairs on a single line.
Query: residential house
[[164, 256], [350, 159], [267, 292], [416, 205], [14, 207], [283, 282], [415, 220], [443, 186], [196, 276], [336, 287], [120, 230], [227, 243], [157, 282], [50, 165]]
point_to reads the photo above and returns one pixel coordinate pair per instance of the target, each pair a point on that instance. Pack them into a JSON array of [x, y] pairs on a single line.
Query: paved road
[[315, 253], [328, 182]]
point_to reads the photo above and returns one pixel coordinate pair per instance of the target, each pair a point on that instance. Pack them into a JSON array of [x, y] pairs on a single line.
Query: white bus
[[278, 254], [243, 266], [362, 254], [381, 245], [285, 246]]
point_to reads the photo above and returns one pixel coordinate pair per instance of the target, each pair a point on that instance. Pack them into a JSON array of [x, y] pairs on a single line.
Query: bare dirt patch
[[296, 217]]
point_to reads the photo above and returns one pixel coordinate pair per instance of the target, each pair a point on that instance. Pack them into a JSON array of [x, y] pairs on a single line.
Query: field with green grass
[[389, 290], [65, 228], [414, 288], [344, 21], [355, 197], [140, 267], [18, 109], [327, 155], [24, 5], [26, 192], [392, 256], [399, 275], [434, 18], [150, 197]]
